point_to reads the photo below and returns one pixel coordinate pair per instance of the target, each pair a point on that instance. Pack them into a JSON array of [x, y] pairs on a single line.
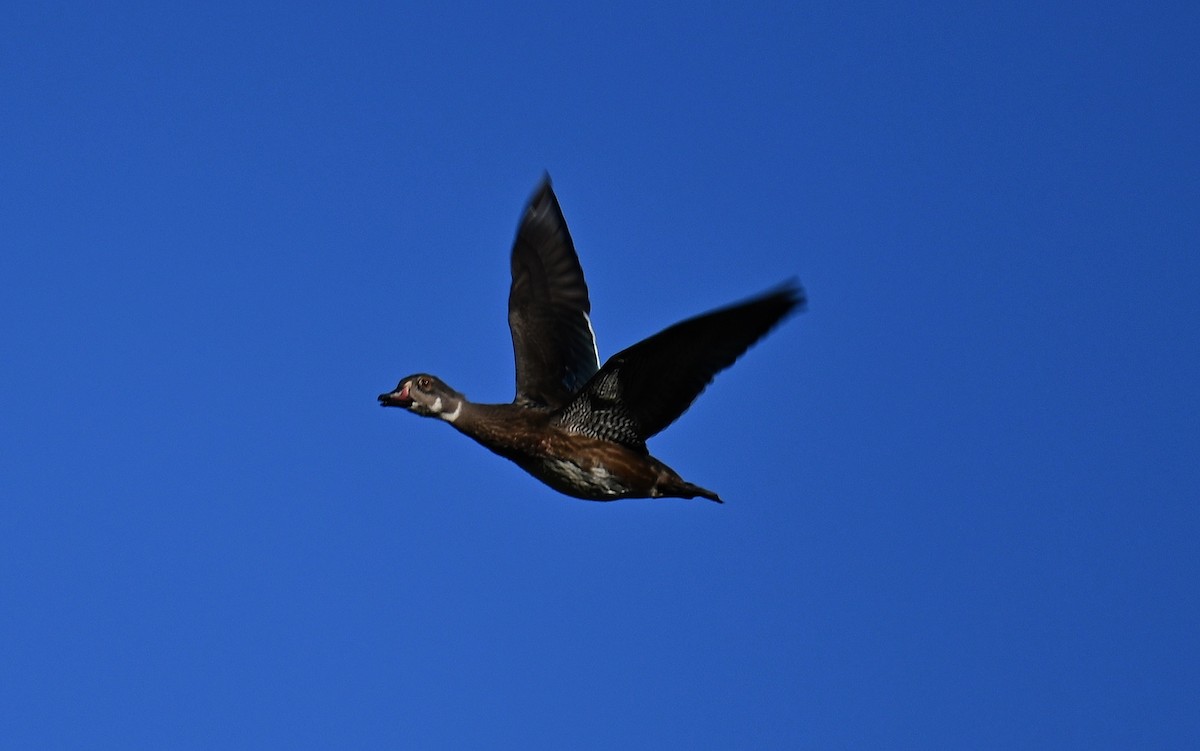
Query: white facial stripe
[[452, 416], [437, 406]]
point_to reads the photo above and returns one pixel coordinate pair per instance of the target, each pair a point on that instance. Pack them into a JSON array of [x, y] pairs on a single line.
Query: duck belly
[[590, 482]]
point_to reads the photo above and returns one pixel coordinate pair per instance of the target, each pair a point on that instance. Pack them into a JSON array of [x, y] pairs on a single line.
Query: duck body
[[572, 463], [578, 427]]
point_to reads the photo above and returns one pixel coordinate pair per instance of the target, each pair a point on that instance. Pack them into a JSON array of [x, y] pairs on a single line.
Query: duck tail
[[691, 491]]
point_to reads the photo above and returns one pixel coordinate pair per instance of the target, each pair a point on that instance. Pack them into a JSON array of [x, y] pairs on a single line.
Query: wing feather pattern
[[548, 308], [643, 389]]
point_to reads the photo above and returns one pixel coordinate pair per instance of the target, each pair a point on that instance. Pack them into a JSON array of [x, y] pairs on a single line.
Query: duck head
[[425, 395]]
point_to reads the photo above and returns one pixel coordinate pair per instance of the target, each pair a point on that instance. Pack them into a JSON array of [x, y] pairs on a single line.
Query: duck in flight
[[576, 426]]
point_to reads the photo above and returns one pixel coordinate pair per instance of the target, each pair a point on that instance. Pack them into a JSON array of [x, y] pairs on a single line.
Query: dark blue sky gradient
[[961, 490]]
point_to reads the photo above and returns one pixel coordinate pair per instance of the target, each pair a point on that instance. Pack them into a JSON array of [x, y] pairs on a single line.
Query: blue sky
[[961, 489]]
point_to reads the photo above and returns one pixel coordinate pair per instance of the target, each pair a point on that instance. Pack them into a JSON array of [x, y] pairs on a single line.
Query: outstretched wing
[[643, 389], [548, 307]]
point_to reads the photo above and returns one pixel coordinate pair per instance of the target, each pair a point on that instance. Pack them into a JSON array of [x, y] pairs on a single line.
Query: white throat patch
[[449, 416]]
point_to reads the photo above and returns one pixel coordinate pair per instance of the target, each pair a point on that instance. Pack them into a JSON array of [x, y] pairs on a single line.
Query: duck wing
[[548, 307], [643, 389]]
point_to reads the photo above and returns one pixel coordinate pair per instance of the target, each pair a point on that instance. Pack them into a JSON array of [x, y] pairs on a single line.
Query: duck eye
[[423, 384]]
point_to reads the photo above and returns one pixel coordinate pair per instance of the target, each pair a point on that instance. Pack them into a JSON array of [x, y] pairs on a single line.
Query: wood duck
[[576, 426]]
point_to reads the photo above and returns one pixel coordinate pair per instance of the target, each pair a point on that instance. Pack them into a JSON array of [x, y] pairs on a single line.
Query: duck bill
[[397, 398]]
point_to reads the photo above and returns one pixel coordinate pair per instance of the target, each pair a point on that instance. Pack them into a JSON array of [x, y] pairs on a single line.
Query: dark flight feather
[[548, 308], [643, 389]]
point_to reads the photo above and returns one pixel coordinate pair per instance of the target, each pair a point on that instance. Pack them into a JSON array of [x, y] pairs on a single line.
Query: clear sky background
[[962, 489]]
